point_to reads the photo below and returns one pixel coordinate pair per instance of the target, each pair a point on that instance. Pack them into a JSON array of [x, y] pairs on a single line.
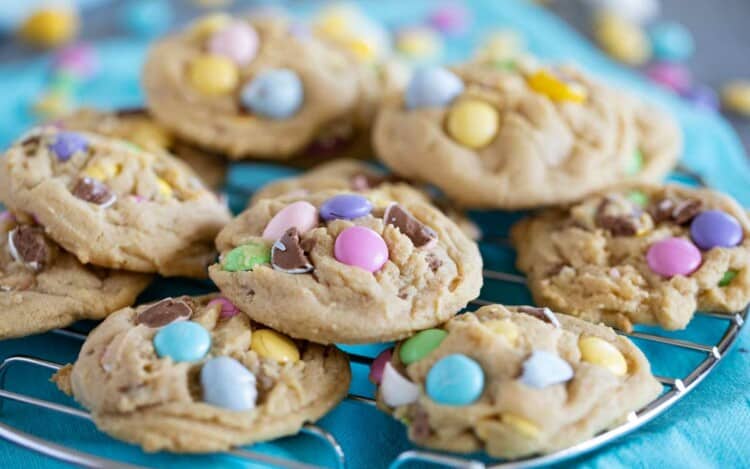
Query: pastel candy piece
[[504, 328], [361, 247], [213, 75], [673, 76], [472, 123], [600, 352], [301, 215], [638, 197], [451, 18], [182, 341], [714, 228], [727, 278], [671, 41], [544, 369], [673, 256], [345, 207], [270, 344], [28, 245], [80, 60], [275, 94], [50, 27], [208, 25], [420, 234], [455, 380], [637, 11], [93, 191], [419, 43], [164, 312], [634, 163], [226, 383], [622, 39], [735, 96], [378, 366], [543, 314], [238, 41], [228, 309], [67, 144], [703, 97], [395, 389], [246, 257], [288, 256], [420, 345], [147, 18], [432, 87], [556, 87]]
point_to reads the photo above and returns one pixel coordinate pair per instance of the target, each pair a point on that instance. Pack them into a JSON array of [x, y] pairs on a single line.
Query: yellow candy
[[555, 88], [270, 344], [418, 43], [52, 105], [150, 136], [623, 40], [736, 97], [50, 27], [164, 188], [208, 25], [504, 328], [600, 352], [472, 123], [500, 46], [213, 75], [103, 171], [362, 49], [521, 425]]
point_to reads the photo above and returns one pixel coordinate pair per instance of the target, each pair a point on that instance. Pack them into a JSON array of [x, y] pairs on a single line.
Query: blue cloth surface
[[708, 428]]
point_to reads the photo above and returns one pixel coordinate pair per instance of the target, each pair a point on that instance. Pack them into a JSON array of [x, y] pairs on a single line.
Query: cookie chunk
[[348, 267], [43, 287], [520, 138], [258, 87], [137, 127], [512, 382], [113, 205], [347, 174], [193, 375], [644, 254]]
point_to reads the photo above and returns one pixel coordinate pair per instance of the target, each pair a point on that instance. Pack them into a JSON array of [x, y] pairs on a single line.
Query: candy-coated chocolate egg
[[472, 123], [544, 369], [673, 256], [361, 247], [455, 380], [213, 75], [227, 308], [420, 345], [735, 96], [622, 39], [182, 341], [432, 87], [600, 352], [226, 383], [246, 257], [275, 346], [671, 41], [50, 27], [714, 228], [345, 207], [67, 144], [504, 328], [237, 41], [378, 366], [275, 94], [395, 389], [301, 215], [673, 76], [556, 86]]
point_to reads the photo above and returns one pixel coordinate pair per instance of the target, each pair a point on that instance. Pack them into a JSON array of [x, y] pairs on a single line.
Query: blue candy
[[432, 87], [228, 384], [147, 18], [345, 207], [455, 380], [671, 42], [66, 145], [183, 341], [276, 94], [544, 369]]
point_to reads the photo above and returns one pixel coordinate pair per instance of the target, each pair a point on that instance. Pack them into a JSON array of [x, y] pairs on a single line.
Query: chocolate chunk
[[131, 112], [619, 226], [420, 424], [419, 233], [30, 143], [544, 314], [288, 256], [366, 181], [164, 312], [662, 210], [617, 216], [686, 210], [27, 244], [93, 191], [433, 262]]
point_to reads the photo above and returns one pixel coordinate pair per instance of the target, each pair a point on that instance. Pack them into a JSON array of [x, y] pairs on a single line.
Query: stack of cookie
[[348, 253]]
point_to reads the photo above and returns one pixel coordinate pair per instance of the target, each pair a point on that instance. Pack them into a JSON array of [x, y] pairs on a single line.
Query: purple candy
[[703, 97], [714, 228], [66, 144], [346, 207]]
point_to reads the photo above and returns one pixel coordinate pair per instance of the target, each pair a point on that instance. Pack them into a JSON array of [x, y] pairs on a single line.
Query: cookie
[[639, 255], [43, 287], [111, 204], [512, 382], [193, 375], [137, 127], [261, 87], [519, 138], [347, 174], [348, 267]]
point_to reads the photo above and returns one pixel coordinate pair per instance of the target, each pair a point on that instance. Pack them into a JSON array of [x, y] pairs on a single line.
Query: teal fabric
[[708, 428]]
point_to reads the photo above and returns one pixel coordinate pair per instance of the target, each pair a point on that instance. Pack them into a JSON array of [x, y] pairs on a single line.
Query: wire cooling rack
[[675, 388]]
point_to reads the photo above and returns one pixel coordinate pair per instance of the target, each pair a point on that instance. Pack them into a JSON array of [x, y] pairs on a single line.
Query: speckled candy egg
[[228, 384], [455, 380], [183, 341], [432, 87], [275, 94]]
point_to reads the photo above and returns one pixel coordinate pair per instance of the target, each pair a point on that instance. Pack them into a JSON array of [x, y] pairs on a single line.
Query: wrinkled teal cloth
[[708, 428]]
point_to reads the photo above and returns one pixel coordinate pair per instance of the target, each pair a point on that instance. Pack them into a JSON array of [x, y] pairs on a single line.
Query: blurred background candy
[[147, 18]]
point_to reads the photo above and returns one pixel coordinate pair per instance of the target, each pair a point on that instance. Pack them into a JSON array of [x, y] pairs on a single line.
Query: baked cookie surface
[[512, 381], [642, 254], [113, 205], [348, 267], [520, 138], [43, 287], [257, 87], [195, 375]]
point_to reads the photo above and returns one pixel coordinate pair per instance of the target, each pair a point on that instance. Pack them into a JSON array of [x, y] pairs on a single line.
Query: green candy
[[638, 198], [634, 163], [508, 64], [246, 257], [420, 345], [729, 275]]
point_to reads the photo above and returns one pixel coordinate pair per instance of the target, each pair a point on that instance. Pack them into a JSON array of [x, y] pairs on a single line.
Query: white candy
[[637, 11], [544, 369], [397, 390]]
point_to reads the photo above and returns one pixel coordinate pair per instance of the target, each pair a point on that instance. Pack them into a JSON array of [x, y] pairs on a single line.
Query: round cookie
[[348, 267], [257, 87], [193, 375], [43, 287], [513, 382], [111, 204], [137, 127], [515, 138], [347, 174], [639, 255]]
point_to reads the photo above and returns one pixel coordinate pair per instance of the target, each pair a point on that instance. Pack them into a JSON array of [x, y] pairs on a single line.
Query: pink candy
[[228, 309], [674, 76], [301, 215], [378, 365], [79, 59], [450, 18], [673, 256], [361, 247], [238, 42]]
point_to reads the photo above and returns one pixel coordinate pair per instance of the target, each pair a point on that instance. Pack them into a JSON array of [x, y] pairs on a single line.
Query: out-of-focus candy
[[419, 43], [432, 87], [703, 96], [637, 11], [80, 60], [63, 82], [274, 93], [602, 353], [52, 104], [347, 25], [671, 41], [213, 74], [735, 96], [238, 41], [208, 25], [50, 27], [622, 39], [672, 76], [451, 18], [556, 86], [472, 123], [147, 18], [502, 46]]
